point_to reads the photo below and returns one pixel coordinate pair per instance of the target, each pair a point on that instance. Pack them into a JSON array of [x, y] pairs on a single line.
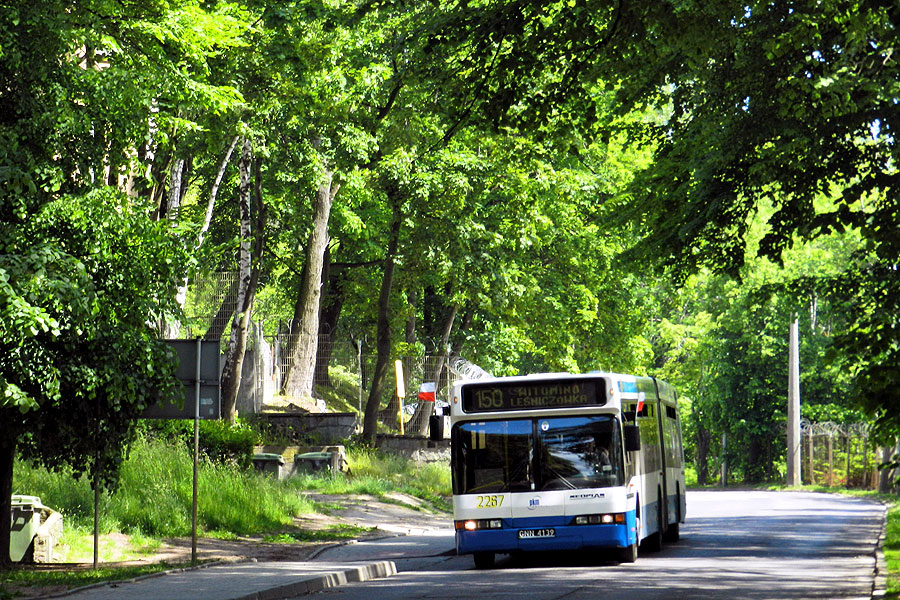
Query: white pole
[[196, 456], [793, 449]]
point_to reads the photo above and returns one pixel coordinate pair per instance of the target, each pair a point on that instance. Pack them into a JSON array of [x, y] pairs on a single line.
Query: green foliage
[[835, 413], [892, 550], [377, 473], [90, 374], [539, 162], [154, 496], [219, 441]]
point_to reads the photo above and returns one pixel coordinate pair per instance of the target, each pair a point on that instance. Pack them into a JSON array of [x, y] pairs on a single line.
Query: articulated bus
[[565, 462]]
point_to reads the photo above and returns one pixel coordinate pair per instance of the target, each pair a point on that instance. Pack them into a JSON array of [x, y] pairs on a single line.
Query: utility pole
[[793, 434]]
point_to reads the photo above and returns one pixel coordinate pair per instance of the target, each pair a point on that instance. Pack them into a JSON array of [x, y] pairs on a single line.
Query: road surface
[[735, 544]]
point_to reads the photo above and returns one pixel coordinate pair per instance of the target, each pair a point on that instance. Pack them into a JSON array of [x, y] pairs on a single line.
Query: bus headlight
[[475, 524], [603, 519]]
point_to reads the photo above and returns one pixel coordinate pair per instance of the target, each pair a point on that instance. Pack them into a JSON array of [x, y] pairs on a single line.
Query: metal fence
[[839, 454]]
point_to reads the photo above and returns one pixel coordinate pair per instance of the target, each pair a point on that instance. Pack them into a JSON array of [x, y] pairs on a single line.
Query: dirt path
[[394, 514]]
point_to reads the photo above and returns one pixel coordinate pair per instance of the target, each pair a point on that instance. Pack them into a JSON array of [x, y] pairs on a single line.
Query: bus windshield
[[550, 453]]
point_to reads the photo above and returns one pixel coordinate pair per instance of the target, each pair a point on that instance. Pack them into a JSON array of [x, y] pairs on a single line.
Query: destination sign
[[525, 395]]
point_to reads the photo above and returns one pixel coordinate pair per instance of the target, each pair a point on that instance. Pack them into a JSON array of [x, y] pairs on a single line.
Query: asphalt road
[[737, 545]]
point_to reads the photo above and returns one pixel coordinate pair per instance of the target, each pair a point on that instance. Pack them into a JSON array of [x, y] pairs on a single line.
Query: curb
[[879, 586], [319, 582]]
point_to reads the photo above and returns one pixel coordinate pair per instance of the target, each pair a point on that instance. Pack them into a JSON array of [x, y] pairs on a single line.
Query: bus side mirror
[[632, 438]]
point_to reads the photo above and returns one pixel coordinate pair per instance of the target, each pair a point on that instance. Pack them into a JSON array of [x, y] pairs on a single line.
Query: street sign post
[[194, 356], [198, 370]]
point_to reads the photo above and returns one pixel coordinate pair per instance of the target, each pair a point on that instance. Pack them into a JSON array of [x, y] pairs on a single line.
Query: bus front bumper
[[546, 534]]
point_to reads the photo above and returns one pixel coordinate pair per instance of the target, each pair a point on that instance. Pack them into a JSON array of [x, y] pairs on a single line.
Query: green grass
[[155, 494], [376, 474], [332, 533], [153, 501], [892, 550], [76, 545]]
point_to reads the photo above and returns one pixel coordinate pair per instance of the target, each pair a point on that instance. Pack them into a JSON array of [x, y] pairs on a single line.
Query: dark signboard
[[186, 372], [526, 395]]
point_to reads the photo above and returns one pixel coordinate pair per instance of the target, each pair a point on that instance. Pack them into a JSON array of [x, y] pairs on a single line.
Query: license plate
[[536, 533]]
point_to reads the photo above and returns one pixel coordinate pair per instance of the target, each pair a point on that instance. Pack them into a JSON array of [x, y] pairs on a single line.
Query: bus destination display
[[525, 395]]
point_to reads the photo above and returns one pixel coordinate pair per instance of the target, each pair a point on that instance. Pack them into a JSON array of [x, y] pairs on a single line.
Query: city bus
[[565, 462]]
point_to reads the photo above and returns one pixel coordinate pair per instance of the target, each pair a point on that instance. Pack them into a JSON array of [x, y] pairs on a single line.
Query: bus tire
[[483, 560], [673, 533]]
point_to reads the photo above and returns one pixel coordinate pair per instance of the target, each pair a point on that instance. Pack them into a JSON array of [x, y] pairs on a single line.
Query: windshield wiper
[[561, 478]]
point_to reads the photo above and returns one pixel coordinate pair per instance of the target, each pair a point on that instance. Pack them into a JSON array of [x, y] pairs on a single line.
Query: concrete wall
[[420, 449], [324, 428]]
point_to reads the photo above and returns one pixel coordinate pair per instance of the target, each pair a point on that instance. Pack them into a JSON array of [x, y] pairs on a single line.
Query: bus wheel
[[483, 560], [673, 533], [629, 553]]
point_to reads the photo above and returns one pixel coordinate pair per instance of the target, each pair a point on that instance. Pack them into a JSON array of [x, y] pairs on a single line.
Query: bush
[[219, 441], [155, 494]]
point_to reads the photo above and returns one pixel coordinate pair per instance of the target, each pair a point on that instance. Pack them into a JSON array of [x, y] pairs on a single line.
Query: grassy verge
[[892, 550], [153, 501], [377, 474], [155, 494]]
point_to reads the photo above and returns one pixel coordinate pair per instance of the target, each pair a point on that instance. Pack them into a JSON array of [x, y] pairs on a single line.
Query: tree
[[252, 243], [781, 104], [83, 271], [82, 278], [757, 103]]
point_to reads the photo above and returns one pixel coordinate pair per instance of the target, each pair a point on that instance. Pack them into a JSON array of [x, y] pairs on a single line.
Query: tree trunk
[[299, 380], [173, 209], [250, 259], [703, 438], [330, 314], [7, 459], [175, 189], [214, 192], [457, 345], [383, 341]]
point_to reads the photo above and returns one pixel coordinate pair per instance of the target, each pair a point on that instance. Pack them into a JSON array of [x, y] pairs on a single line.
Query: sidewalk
[[329, 567], [237, 581]]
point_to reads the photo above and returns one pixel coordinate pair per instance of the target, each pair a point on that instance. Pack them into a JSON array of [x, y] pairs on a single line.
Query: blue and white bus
[[565, 462]]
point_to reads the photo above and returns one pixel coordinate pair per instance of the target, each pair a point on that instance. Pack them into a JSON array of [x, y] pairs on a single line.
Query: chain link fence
[[839, 454]]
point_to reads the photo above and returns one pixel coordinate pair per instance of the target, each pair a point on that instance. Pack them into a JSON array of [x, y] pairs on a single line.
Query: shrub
[[219, 440]]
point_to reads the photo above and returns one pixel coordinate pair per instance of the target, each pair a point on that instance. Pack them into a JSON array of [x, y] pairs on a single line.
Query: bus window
[[492, 456], [579, 452]]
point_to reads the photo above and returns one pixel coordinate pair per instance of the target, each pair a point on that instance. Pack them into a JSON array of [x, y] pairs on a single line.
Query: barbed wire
[[832, 429], [463, 369]]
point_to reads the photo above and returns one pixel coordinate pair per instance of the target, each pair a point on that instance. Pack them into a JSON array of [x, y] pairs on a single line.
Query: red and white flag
[[426, 392]]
